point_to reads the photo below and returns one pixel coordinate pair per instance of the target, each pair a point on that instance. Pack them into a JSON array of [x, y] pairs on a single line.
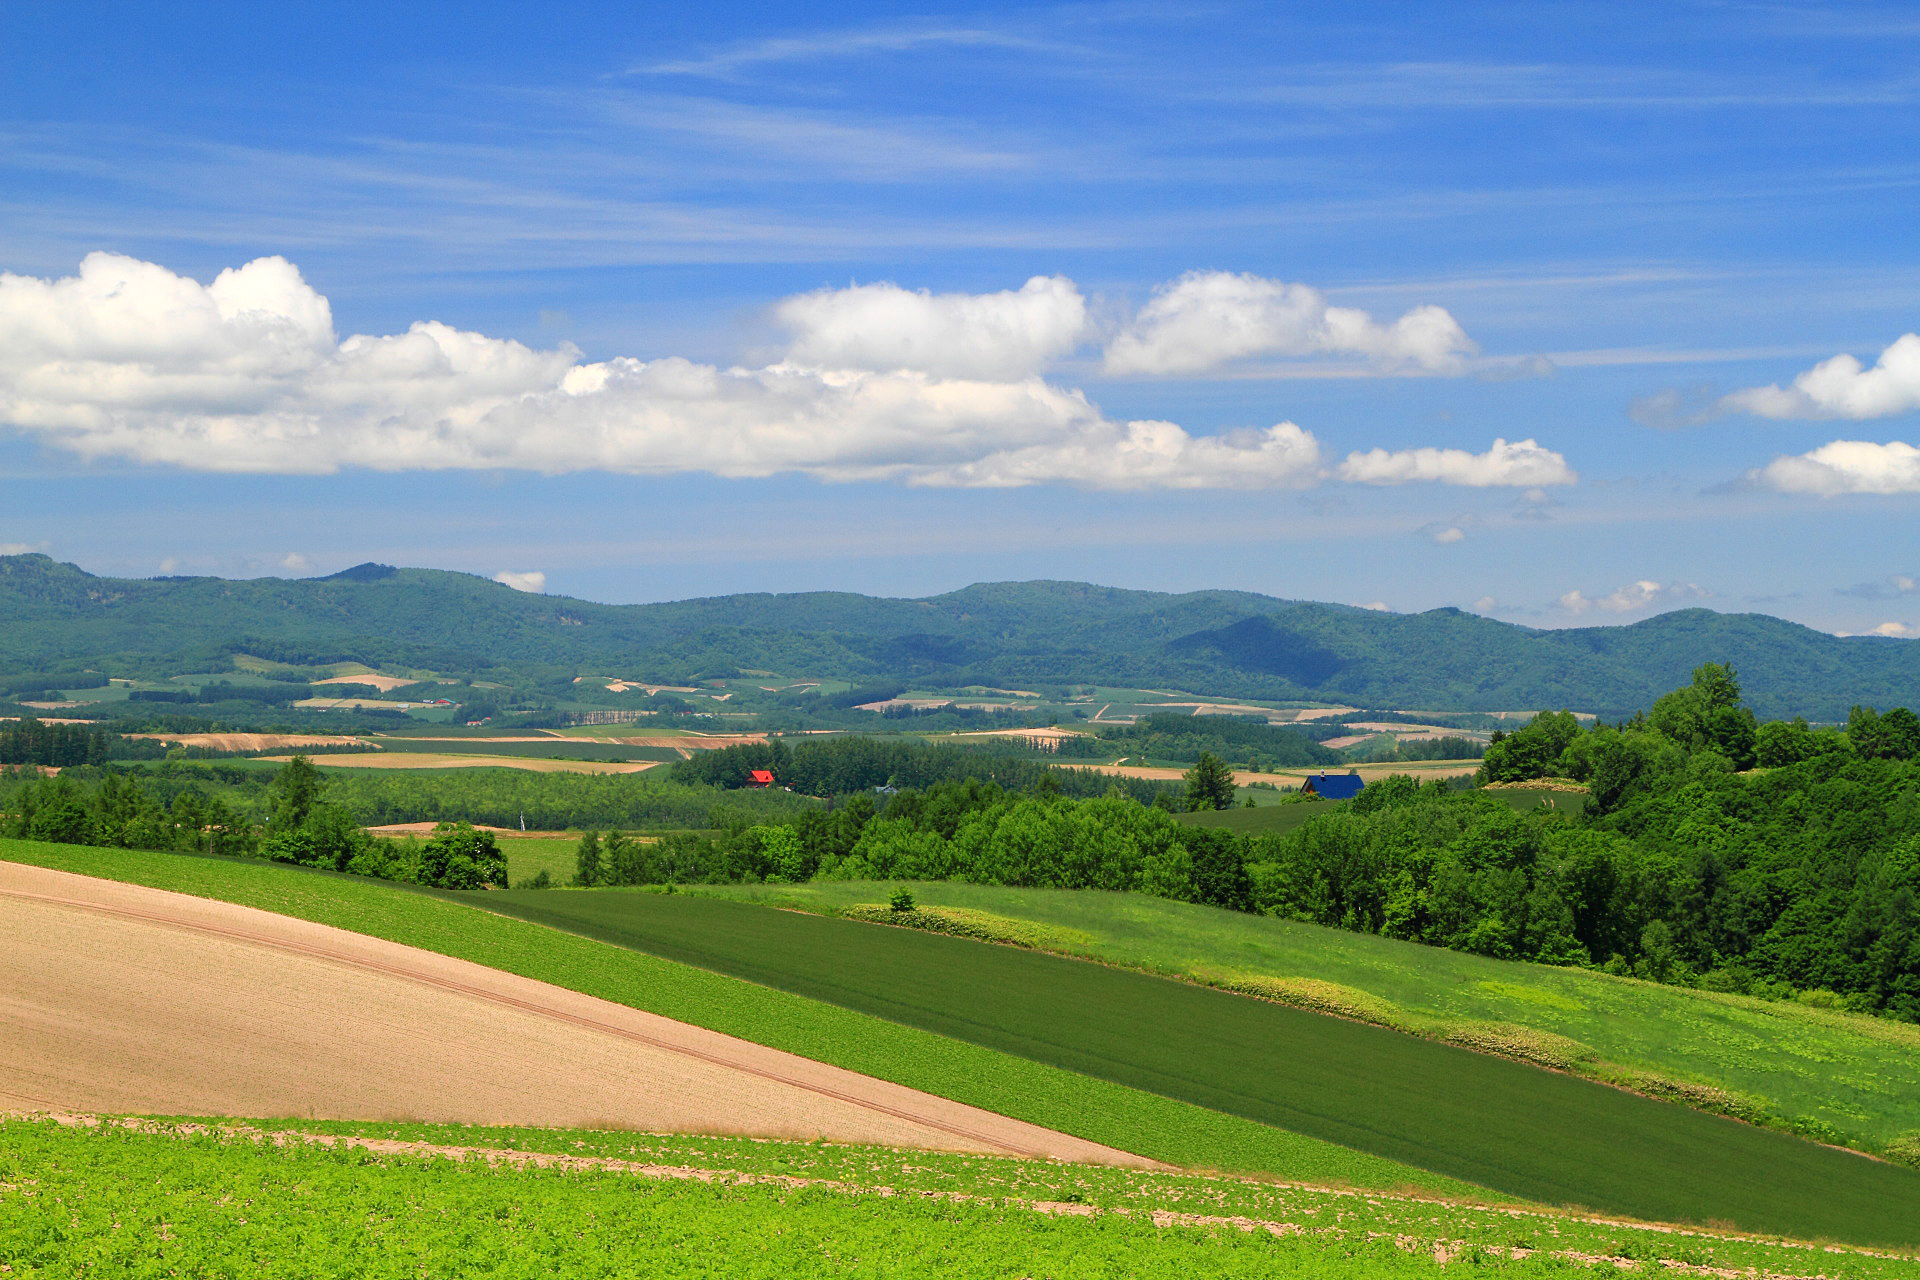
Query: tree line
[[1693, 861], [302, 825], [841, 766]]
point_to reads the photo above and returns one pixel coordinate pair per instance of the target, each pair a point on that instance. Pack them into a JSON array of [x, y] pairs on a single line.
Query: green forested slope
[[55, 616]]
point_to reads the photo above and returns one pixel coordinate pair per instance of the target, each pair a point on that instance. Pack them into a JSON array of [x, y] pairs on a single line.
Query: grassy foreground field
[[1839, 1075], [274, 1200], [1131, 1119], [1532, 1133]]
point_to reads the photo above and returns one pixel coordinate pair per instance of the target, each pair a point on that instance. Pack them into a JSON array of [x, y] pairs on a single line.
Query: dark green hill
[[57, 617]]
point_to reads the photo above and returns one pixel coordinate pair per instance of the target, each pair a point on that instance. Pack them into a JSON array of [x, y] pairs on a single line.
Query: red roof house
[[760, 778]]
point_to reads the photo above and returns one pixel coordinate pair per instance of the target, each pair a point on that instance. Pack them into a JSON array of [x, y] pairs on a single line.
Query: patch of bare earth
[[385, 684], [121, 998], [432, 760], [427, 829], [253, 741]]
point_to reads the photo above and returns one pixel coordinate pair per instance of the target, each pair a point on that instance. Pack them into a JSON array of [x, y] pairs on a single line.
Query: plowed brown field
[[434, 760], [120, 998]]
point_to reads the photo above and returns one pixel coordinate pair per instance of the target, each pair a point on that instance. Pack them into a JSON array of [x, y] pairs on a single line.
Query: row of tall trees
[[302, 826]]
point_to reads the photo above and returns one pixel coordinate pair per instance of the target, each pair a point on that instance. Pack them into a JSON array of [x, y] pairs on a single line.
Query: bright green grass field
[[1131, 1119], [1858, 1074], [1529, 1132], [528, 856], [111, 1201]]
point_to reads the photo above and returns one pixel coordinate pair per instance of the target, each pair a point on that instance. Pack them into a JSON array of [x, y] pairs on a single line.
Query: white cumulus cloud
[[1845, 466], [883, 327], [1142, 455], [1207, 319], [533, 580], [1897, 630], [1842, 387], [126, 359], [1523, 464], [1643, 594]]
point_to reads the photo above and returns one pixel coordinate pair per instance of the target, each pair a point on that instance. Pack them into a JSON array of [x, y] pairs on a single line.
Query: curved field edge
[[1725, 1054], [1543, 1135], [1131, 1119], [874, 1182]]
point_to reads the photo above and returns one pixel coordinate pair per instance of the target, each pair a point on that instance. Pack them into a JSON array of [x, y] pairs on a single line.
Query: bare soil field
[[1043, 735], [120, 998], [689, 742], [377, 759], [253, 741], [426, 829], [385, 684]]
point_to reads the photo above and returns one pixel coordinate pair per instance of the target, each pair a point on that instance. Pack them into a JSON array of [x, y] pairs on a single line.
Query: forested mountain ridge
[[56, 616]]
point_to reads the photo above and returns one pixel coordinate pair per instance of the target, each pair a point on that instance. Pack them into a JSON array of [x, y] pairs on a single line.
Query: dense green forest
[[1172, 736], [62, 624], [122, 804], [841, 766]]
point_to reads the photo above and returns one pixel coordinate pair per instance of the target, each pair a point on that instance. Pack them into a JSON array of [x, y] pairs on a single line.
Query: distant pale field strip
[[385, 684], [428, 828], [253, 741], [121, 998], [429, 760], [1294, 777]]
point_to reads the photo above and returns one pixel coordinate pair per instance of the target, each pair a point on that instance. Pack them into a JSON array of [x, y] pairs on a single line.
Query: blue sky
[[736, 298]]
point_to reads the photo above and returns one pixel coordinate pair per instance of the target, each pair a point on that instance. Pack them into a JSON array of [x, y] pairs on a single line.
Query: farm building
[[760, 778], [1332, 786]]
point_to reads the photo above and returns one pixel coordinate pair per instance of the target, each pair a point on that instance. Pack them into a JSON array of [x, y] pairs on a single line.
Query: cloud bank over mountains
[[128, 360]]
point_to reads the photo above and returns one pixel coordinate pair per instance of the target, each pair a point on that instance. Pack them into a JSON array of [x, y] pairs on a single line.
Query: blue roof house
[[1332, 786]]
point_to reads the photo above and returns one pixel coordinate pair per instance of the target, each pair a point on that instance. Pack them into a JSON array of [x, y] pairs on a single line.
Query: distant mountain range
[[57, 617]]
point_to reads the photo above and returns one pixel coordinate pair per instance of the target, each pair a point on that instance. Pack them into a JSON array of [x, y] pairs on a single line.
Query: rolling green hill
[[1517, 1128], [1137, 1120], [55, 616], [1838, 1074]]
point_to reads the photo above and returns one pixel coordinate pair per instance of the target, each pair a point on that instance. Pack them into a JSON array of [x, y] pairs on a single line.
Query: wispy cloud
[[1634, 597], [730, 61], [1565, 86]]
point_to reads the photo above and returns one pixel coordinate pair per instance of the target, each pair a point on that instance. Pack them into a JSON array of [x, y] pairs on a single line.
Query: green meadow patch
[[1483, 1119], [1835, 1076]]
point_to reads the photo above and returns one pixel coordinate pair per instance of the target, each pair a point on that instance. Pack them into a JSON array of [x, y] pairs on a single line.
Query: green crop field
[[1841, 1074], [294, 1199], [1132, 1119], [528, 856], [1533, 1133]]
